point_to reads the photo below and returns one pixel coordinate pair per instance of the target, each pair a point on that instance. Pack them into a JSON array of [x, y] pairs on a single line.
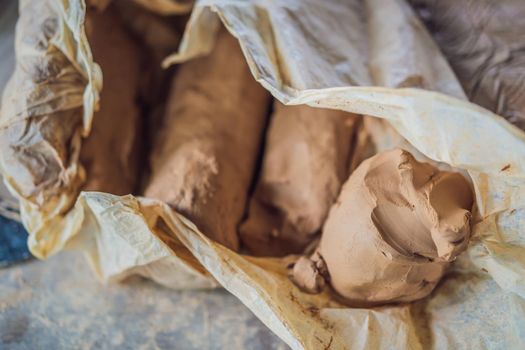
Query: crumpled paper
[[328, 54], [8, 204], [484, 42]]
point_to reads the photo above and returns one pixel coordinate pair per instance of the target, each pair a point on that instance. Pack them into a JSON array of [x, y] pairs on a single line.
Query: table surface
[[59, 304]]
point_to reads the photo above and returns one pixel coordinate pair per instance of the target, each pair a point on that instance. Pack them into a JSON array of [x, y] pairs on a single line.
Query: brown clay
[[305, 163], [204, 161], [394, 228], [109, 154]]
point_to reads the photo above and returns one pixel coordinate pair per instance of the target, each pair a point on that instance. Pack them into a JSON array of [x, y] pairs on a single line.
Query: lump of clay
[[205, 158], [305, 163], [394, 228], [110, 153], [484, 42]]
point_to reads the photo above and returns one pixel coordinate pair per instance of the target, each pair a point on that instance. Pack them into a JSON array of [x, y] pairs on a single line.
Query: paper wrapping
[[8, 204], [47, 106], [483, 41], [328, 54]]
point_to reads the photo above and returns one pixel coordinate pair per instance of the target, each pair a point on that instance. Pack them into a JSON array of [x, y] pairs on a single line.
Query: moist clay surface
[[388, 238], [305, 162], [205, 158]]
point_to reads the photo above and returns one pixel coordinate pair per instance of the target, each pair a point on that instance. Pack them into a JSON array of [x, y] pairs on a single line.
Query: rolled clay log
[[305, 163], [394, 228], [204, 162], [159, 36], [484, 42], [110, 153], [157, 33]]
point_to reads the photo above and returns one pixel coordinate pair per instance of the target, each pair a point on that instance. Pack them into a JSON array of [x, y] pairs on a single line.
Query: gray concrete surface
[[59, 304], [8, 15]]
